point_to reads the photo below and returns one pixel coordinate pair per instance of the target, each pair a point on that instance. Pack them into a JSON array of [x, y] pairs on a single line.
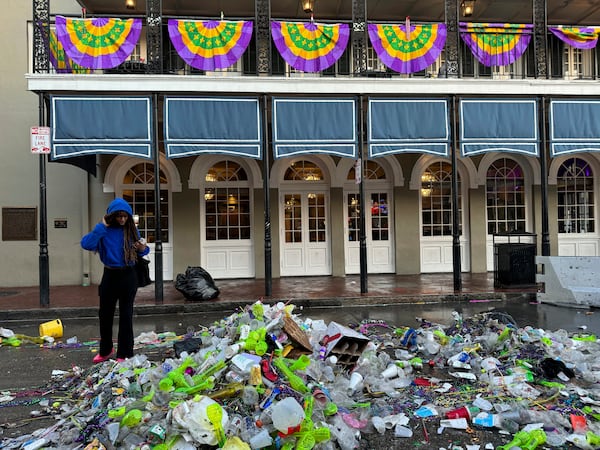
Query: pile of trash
[[265, 377]]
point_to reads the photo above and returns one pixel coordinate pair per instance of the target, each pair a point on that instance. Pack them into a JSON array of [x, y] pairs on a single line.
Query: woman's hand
[[140, 245]]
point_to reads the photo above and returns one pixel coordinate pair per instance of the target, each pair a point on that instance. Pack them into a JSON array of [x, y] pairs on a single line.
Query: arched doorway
[[226, 200], [435, 195], [576, 206], [378, 220], [133, 180], [507, 202], [304, 217]]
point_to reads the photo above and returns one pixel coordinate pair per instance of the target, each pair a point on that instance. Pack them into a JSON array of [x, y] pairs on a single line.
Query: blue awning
[[214, 125], [98, 125], [408, 126], [574, 126], [498, 125], [314, 125]]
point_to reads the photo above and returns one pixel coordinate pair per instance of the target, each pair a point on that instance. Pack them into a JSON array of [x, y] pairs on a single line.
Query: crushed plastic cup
[[578, 423], [402, 431], [261, 440], [464, 412], [457, 424], [356, 380], [390, 372], [483, 404], [132, 418]]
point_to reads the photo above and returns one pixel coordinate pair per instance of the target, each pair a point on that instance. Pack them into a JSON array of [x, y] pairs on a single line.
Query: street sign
[[40, 140]]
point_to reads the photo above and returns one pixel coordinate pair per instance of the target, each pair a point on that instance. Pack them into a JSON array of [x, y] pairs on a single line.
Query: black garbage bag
[[196, 284]]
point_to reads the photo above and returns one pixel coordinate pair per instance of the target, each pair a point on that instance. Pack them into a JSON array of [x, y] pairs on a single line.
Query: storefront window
[[436, 200], [575, 193], [505, 194]]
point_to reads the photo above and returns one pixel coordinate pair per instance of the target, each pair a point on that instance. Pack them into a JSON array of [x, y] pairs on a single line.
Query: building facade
[[310, 167]]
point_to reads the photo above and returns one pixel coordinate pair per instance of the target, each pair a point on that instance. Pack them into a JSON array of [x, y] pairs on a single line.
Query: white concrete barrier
[[569, 280]]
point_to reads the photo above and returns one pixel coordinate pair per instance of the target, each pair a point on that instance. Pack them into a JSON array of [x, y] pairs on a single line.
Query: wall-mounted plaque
[[19, 224]]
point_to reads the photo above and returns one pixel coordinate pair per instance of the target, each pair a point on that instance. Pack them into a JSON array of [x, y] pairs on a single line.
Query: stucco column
[[406, 230], [336, 213], [478, 230]]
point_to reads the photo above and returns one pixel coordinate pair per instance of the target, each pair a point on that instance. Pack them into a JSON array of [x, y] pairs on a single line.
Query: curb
[[229, 306]]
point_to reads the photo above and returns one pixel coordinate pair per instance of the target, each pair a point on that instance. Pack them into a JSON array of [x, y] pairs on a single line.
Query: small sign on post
[[40, 140]]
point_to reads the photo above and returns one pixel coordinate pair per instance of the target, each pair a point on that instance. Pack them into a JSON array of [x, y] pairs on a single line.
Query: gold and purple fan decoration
[[408, 48], [100, 43], [310, 46], [496, 44], [578, 37], [59, 60], [212, 44]]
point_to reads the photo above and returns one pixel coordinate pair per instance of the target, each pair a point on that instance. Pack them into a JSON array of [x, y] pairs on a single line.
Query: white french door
[[378, 229], [305, 235]]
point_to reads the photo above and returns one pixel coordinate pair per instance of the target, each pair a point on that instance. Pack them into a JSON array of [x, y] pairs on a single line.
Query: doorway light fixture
[[467, 7], [130, 4], [308, 6]]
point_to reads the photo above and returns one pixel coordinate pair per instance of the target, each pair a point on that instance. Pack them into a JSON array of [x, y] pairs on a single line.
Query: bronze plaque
[[19, 224]]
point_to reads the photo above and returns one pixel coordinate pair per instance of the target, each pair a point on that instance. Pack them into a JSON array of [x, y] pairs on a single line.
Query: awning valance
[[213, 125], [99, 125], [408, 126], [574, 126], [314, 125], [498, 125]]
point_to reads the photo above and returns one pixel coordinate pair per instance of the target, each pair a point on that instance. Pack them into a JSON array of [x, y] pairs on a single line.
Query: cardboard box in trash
[[344, 343]]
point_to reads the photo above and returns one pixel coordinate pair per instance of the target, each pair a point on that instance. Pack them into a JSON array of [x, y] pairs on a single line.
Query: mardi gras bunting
[[212, 44], [310, 47], [407, 52], [59, 60], [100, 43], [496, 44], [578, 37]]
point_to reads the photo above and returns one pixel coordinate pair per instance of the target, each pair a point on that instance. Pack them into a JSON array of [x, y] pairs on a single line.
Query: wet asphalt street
[[30, 367]]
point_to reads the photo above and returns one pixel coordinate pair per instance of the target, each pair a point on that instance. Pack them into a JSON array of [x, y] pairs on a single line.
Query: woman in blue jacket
[[117, 241]]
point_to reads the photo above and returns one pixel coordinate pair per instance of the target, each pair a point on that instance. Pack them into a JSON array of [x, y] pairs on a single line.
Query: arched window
[[436, 200], [575, 192], [303, 170], [373, 171], [505, 194], [138, 190], [227, 199]]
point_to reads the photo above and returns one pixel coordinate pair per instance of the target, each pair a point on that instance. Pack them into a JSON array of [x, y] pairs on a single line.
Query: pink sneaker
[[120, 360], [99, 358]]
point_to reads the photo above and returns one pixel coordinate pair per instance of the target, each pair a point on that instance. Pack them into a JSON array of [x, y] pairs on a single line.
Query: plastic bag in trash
[[196, 284]]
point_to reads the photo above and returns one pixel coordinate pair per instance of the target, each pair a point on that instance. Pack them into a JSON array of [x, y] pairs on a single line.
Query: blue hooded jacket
[[108, 241]]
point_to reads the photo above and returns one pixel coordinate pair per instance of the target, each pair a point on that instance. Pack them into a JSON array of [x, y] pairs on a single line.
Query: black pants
[[117, 285]]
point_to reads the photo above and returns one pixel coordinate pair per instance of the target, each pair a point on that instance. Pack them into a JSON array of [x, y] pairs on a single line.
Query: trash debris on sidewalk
[[265, 377]]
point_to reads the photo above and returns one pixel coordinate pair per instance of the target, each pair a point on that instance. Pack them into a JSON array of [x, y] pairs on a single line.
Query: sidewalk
[[21, 303]]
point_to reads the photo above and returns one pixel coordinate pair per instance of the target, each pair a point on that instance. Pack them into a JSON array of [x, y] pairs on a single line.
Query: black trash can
[[514, 264]]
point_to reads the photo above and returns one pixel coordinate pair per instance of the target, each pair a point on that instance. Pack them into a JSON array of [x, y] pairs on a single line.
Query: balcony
[[562, 61]]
